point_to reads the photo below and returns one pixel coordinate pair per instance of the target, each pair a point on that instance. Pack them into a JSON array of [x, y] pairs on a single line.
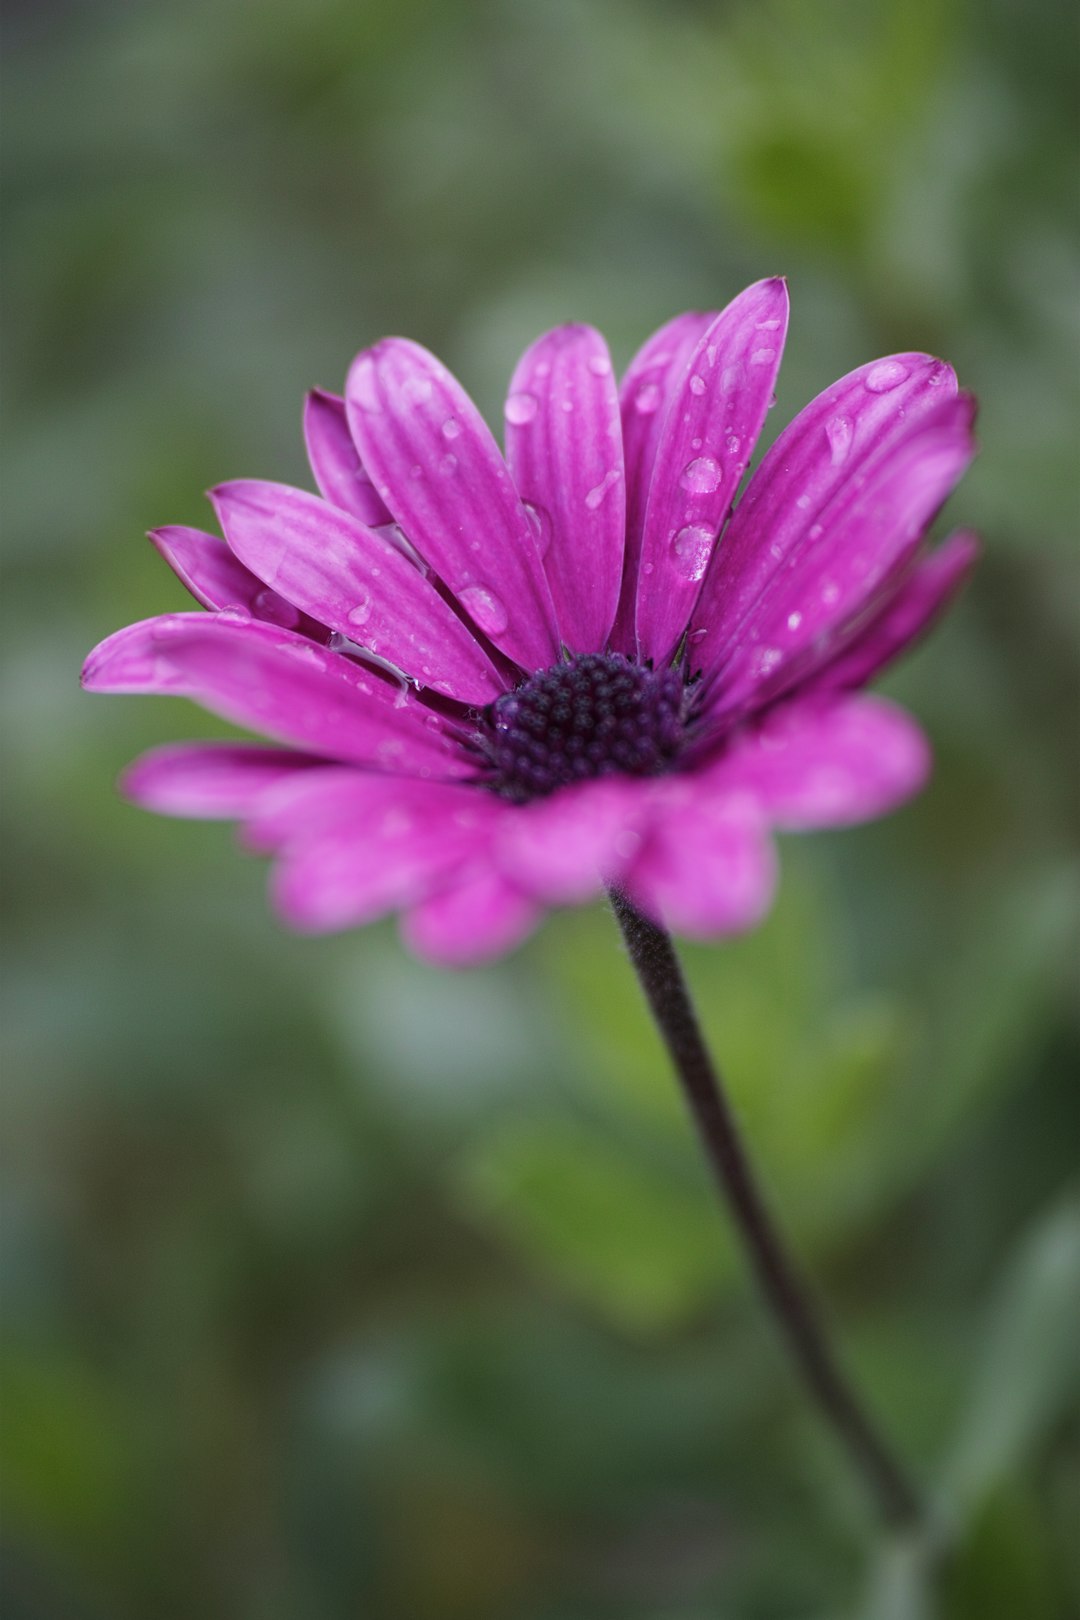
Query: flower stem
[[658, 969]]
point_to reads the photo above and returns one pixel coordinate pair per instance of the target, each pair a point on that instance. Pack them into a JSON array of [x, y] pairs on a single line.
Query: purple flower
[[504, 683]]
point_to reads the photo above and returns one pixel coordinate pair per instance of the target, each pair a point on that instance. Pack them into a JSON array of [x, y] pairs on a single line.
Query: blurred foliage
[[335, 1285]]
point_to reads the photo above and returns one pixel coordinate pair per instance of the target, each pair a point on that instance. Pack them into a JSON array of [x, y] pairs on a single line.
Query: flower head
[[503, 683]]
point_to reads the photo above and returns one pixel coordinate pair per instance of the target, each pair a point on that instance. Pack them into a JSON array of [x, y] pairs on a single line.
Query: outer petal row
[[278, 684], [355, 580]]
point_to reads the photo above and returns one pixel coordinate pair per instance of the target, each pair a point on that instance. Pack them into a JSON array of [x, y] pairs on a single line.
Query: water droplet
[[647, 399], [543, 368], [451, 427], [766, 660], [567, 404], [710, 354], [595, 496], [803, 503], [701, 476], [600, 365], [361, 612], [794, 620], [830, 594], [235, 613], [448, 466], [838, 431], [305, 653], [697, 384], [363, 385], [540, 523], [692, 548], [816, 530], [731, 377], [761, 357], [275, 610], [485, 607], [733, 442], [417, 389], [885, 375], [520, 409], [767, 326]]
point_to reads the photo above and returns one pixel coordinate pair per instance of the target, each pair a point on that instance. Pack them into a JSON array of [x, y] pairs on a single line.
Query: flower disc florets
[[597, 715]]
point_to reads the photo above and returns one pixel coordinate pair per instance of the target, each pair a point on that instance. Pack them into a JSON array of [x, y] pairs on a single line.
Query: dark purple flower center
[[597, 715]]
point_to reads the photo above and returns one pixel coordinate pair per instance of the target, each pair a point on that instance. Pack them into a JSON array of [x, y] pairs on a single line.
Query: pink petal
[[338, 470], [567, 847], [712, 425], [906, 617], [210, 781], [825, 761], [482, 917], [356, 581], [358, 850], [707, 866], [564, 449], [279, 684], [645, 397], [837, 440], [439, 470], [219, 580], [869, 536]]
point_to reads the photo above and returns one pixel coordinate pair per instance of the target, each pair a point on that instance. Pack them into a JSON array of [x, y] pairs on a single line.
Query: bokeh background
[[336, 1286]]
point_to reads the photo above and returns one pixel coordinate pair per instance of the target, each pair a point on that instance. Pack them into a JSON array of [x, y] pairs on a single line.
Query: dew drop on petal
[[361, 612], [731, 377], [766, 326], [451, 427], [761, 357], [885, 375], [701, 476], [816, 529], [794, 620], [838, 431], [830, 594], [595, 496], [540, 523], [520, 409], [691, 549], [448, 466], [485, 607], [600, 365], [697, 384], [647, 399], [766, 660], [233, 613], [733, 443], [275, 610]]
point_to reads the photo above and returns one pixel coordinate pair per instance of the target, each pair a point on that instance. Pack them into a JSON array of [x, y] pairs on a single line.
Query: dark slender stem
[[657, 965]]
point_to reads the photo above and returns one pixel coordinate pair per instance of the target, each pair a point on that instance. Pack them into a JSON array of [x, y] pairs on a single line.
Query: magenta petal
[[564, 449], [279, 684], [712, 425], [567, 847], [210, 781], [825, 761], [707, 866], [338, 470], [219, 580], [832, 444], [481, 917], [439, 470], [355, 848], [356, 581], [906, 617], [651, 378], [869, 535]]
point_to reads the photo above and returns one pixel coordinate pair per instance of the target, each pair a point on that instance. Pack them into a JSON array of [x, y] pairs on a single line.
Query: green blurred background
[[336, 1286]]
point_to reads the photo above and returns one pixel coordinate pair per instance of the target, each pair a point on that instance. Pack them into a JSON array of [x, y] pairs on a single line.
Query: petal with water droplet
[[569, 464], [354, 579], [402, 444], [695, 476]]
